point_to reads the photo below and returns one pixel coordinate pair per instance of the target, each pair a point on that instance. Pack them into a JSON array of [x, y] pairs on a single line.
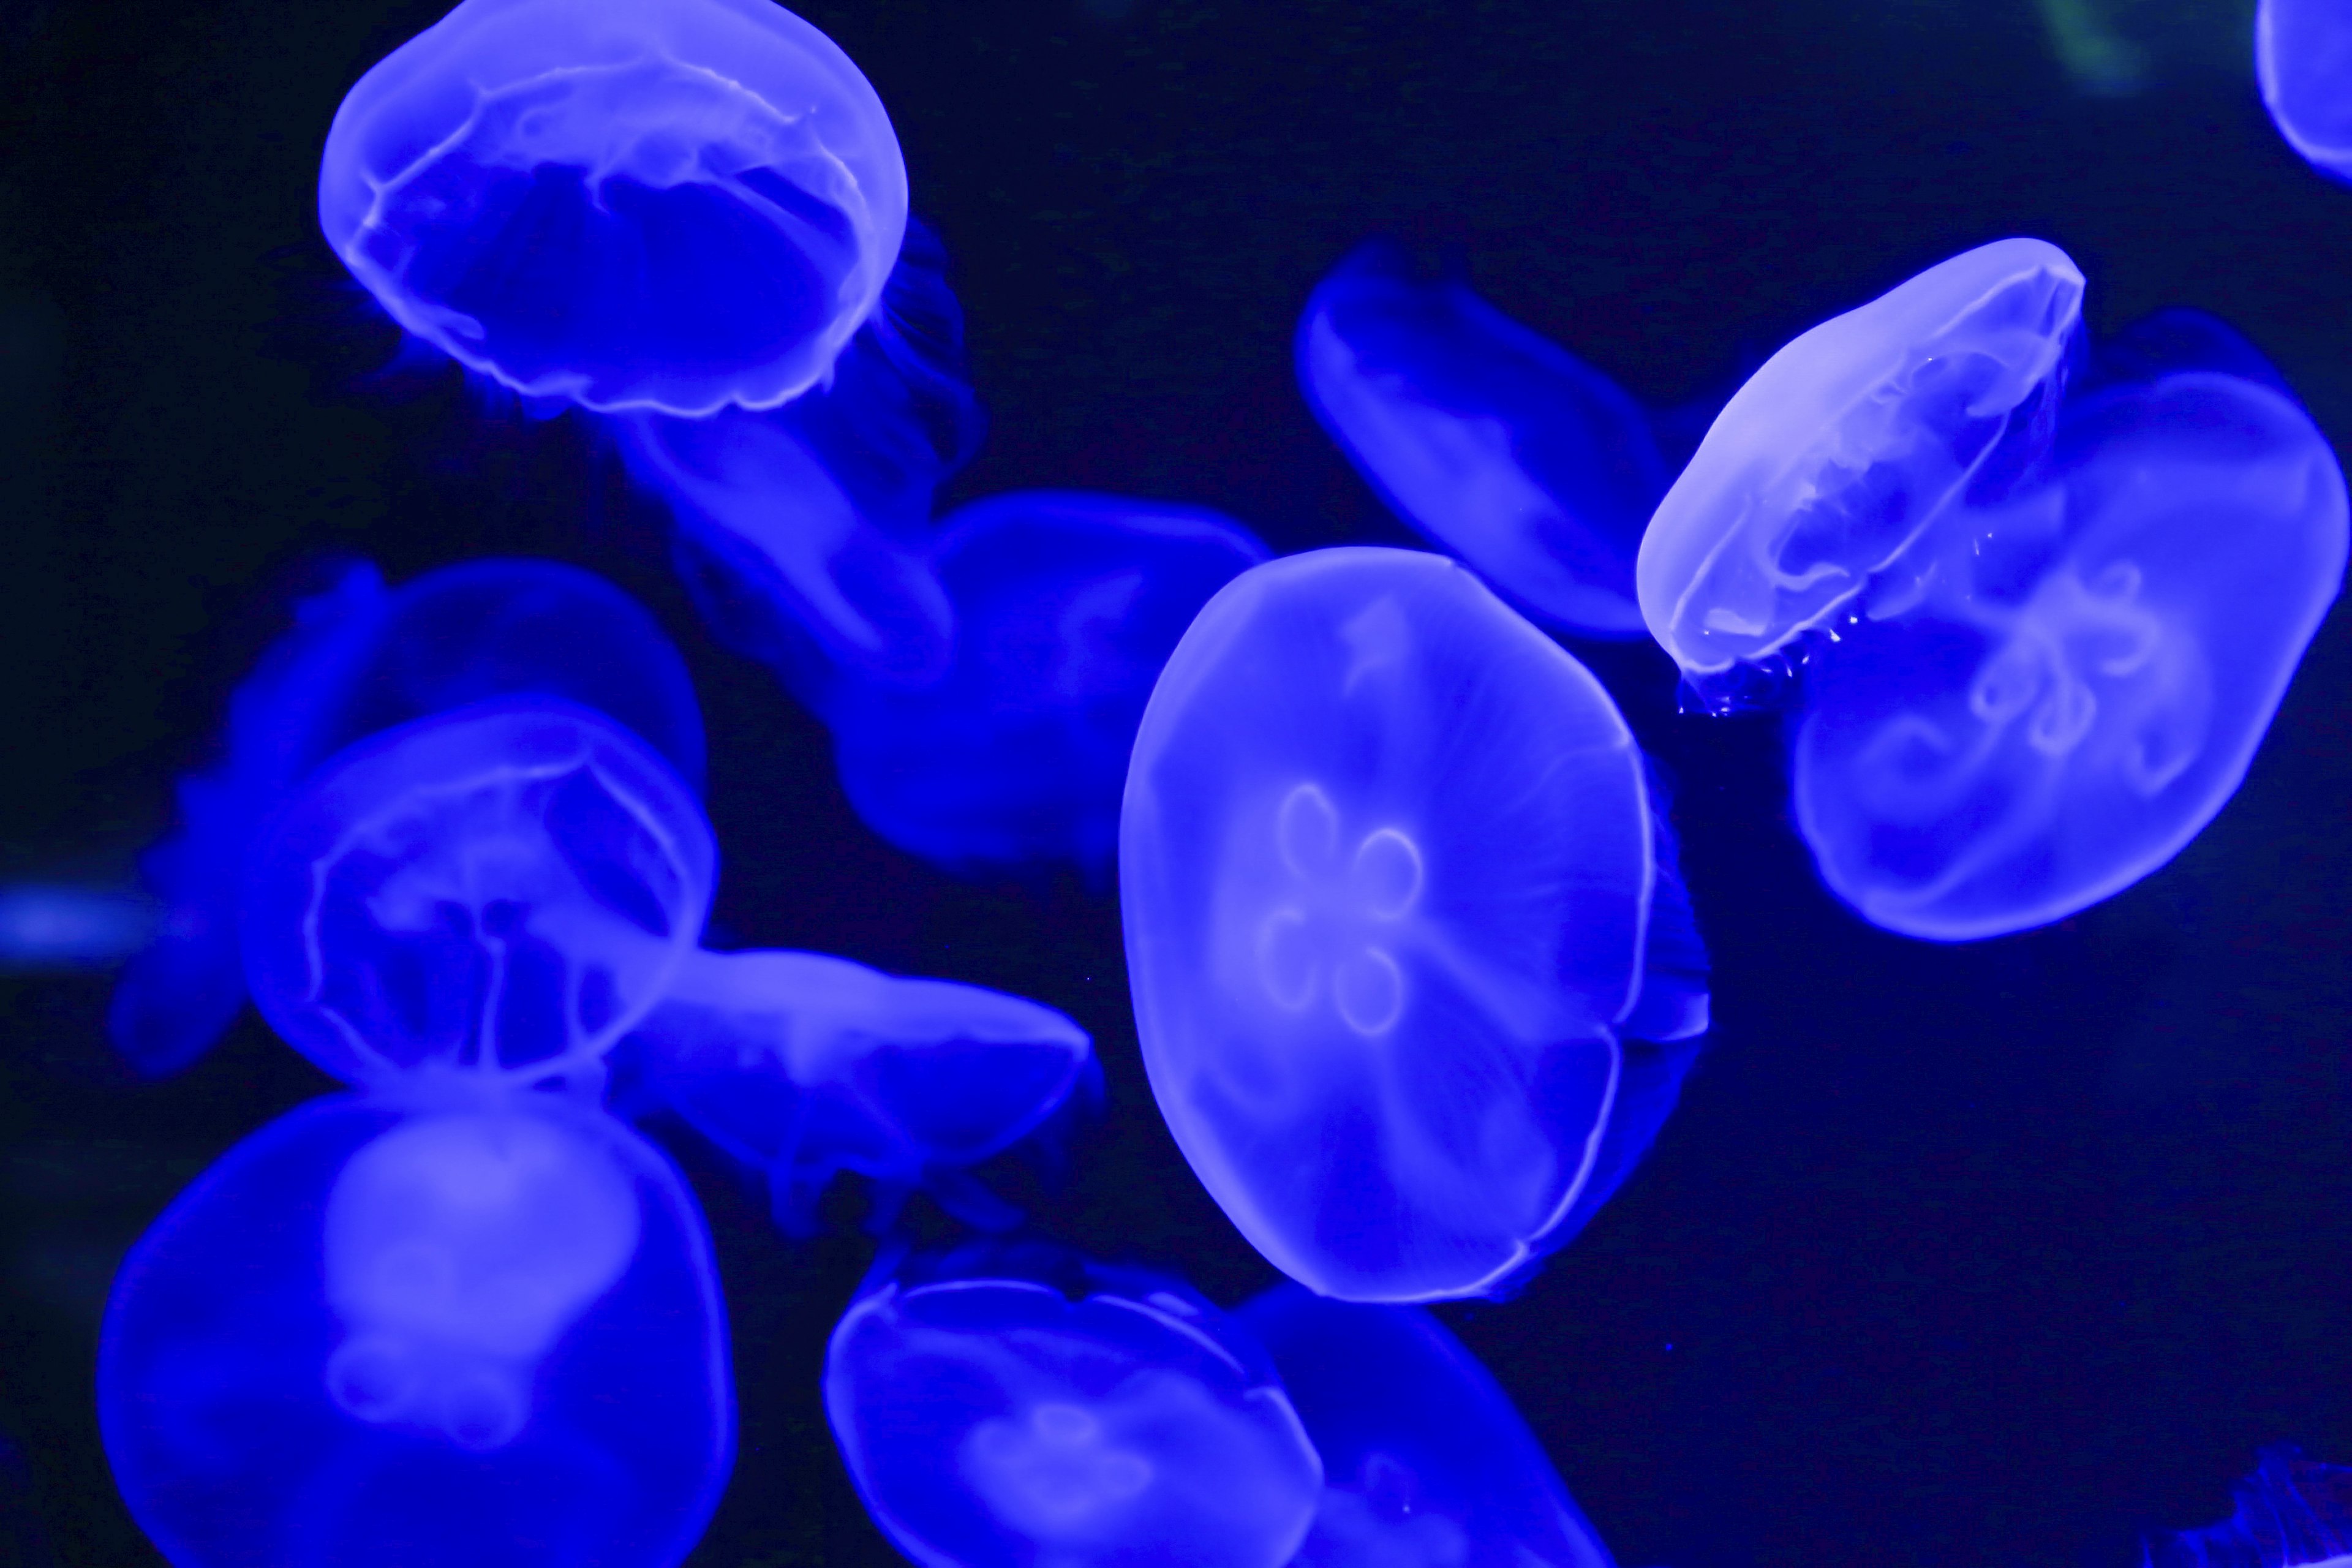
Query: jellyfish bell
[[1813, 489], [2303, 61], [668, 204], [2084, 680], [493, 897], [1389, 872], [996, 1409]]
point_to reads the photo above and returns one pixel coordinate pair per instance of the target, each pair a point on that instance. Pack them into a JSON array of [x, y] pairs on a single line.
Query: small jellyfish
[[1066, 607], [2086, 671], [62, 925], [1003, 1408], [2303, 58], [1394, 897], [361, 658], [486, 1336], [1425, 1463], [674, 206], [1490, 439], [2290, 1513], [805, 1066], [1824, 471], [492, 896]]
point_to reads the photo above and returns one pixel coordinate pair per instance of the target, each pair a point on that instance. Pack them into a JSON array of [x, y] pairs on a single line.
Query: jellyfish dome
[[1066, 607], [671, 205], [2290, 1513], [1833, 462], [805, 1066], [1425, 1463], [2303, 58], [481, 1337], [361, 658], [1490, 439], [2085, 680], [1388, 870], [496, 895], [999, 1409]]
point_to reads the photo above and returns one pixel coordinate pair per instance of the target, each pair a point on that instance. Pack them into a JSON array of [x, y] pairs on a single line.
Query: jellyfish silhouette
[[2290, 1513], [490, 897], [484, 1334], [1811, 492], [2303, 61], [1490, 439], [1394, 899], [1425, 1463], [2083, 679], [361, 658], [1066, 607], [803, 1066], [677, 205], [1000, 1407]]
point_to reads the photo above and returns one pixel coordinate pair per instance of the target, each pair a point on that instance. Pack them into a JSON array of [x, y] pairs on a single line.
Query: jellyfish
[[675, 205], [1066, 607], [2303, 61], [1490, 439], [2290, 1513], [492, 897], [1425, 1463], [803, 1066], [66, 925], [484, 1334], [2088, 671], [360, 659], [1816, 484], [1002, 1407], [1391, 881]]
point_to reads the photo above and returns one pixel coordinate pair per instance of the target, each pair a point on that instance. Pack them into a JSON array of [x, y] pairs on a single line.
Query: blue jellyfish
[[63, 925], [489, 898], [2084, 677], [1425, 1463], [361, 658], [803, 1066], [675, 205], [1811, 492], [2303, 58], [1066, 607], [2290, 1513], [1389, 873], [1492, 440], [1004, 1407], [484, 1334]]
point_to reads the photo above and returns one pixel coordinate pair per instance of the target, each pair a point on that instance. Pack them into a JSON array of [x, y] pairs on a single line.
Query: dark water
[[1996, 1254]]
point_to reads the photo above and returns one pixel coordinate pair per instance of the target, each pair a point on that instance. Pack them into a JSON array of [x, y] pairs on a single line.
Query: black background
[[1988, 1255]]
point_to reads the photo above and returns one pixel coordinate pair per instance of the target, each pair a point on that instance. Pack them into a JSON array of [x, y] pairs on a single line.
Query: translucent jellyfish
[[1821, 475], [2290, 1513], [1492, 440], [1394, 897], [805, 1066], [494, 895], [1067, 606], [1003, 1409], [666, 204], [1425, 1463], [2088, 671], [481, 1337], [2303, 58], [361, 658], [60, 925]]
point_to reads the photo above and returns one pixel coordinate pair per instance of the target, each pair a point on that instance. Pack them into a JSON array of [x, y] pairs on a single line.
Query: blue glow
[[806, 1066], [2085, 671], [489, 1336], [46, 925], [666, 204], [2290, 1513], [999, 1409], [2303, 58], [1425, 1463], [492, 896], [361, 658], [1834, 460], [1066, 605], [800, 528], [1388, 869], [1492, 440]]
